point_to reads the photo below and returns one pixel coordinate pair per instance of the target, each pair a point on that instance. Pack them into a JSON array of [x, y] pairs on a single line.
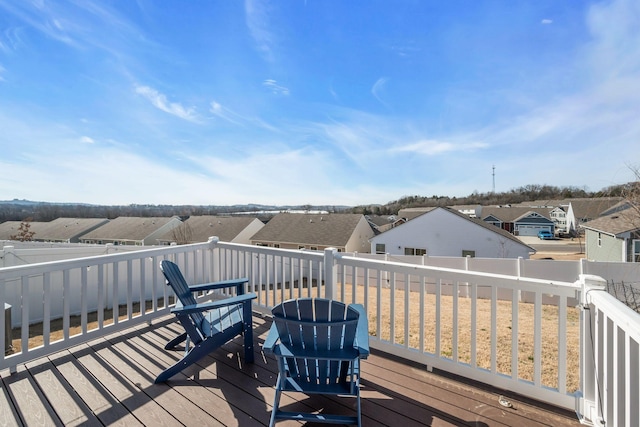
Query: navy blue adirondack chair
[[207, 325], [318, 344]]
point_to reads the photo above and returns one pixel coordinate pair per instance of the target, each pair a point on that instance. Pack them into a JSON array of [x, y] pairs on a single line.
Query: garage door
[[532, 230]]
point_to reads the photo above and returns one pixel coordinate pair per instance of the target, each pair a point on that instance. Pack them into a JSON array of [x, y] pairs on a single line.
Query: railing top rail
[[297, 253], [43, 267], [501, 280], [626, 318]]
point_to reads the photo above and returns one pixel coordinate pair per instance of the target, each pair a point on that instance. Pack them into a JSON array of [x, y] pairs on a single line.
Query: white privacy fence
[[502, 328]]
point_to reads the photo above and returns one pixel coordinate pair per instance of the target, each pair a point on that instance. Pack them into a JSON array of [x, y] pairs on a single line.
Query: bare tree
[[24, 232], [182, 234]]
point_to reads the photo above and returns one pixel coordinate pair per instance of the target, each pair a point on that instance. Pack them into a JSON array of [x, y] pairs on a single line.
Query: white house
[[447, 232]]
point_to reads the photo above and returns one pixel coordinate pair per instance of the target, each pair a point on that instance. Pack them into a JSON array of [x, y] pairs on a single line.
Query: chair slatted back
[[321, 327], [180, 287]]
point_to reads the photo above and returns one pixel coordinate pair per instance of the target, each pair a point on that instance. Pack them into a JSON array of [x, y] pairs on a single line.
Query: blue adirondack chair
[[318, 344], [207, 325]]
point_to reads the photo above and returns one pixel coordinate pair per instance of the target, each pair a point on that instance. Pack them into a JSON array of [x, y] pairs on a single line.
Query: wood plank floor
[[110, 382]]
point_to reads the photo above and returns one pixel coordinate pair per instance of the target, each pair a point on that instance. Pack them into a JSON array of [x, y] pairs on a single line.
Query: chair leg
[[195, 354], [358, 407], [174, 342], [276, 403], [248, 333]]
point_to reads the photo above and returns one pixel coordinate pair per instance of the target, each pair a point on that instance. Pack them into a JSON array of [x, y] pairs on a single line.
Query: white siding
[[443, 233]]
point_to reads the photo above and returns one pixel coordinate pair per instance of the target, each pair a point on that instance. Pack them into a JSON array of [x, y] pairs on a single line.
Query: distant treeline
[[20, 210], [514, 196]]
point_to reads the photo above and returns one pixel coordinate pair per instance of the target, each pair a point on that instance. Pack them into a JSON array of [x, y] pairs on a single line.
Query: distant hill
[[20, 209]]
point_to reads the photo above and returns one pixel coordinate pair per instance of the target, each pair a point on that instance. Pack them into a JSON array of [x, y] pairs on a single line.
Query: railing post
[[330, 273], [587, 399], [215, 273]]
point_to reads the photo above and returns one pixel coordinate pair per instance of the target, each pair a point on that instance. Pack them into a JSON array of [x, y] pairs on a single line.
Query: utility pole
[[494, 179]]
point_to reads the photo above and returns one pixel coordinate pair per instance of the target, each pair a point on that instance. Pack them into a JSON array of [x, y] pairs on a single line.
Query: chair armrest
[[271, 340], [362, 331], [221, 285], [210, 305]]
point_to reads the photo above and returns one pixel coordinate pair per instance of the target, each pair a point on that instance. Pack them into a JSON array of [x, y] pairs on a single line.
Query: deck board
[[110, 382]]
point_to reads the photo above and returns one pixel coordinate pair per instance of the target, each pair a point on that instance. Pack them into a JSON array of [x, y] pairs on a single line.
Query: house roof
[[128, 228], [67, 228], [309, 229], [593, 208], [616, 223], [11, 228], [411, 213], [513, 213], [202, 227]]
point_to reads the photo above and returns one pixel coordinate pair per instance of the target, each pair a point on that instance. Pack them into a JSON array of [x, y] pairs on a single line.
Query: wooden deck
[[110, 382]]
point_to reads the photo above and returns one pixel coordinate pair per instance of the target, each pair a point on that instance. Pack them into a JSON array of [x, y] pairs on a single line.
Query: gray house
[[614, 237], [199, 228], [138, 231], [345, 232], [519, 220]]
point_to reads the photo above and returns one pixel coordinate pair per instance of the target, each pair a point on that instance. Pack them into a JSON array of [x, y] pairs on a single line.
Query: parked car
[[545, 235]]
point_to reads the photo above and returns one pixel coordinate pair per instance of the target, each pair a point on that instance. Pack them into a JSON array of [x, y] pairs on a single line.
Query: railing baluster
[[537, 339], [474, 325], [514, 333], [101, 296], [66, 304], [46, 317], [562, 345], [494, 330], [407, 312], [24, 289], [454, 333], [438, 316], [83, 300]]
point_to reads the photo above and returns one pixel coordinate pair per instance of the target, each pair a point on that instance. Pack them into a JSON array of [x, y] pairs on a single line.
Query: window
[[380, 248], [599, 240], [636, 251], [276, 245], [415, 251], [466, 253], [301, 247]]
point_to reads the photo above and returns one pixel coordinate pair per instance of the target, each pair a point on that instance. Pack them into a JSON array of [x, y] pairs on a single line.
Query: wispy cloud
[[87, 140], [224, 113], [258, 22], [435, 147], [546, 21], [378, 87], [275, 88], [161, 102]]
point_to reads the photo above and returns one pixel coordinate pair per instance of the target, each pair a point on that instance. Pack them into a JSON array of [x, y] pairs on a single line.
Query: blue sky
[[314, 102]]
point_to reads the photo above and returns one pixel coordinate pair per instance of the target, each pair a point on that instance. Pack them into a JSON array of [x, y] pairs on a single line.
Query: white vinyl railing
[[516, 333], [610, 358]]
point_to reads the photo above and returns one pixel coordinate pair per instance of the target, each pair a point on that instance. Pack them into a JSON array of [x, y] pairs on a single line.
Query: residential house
[[558, 215], [448, 232], [614, 237], [138, 231], [382, 223], [66, 230], [199, 228], [345, 232], [411, 213], [584, 210], [519, 220]]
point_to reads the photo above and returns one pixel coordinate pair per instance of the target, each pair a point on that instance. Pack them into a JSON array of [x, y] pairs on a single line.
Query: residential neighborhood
[[608, 226]]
